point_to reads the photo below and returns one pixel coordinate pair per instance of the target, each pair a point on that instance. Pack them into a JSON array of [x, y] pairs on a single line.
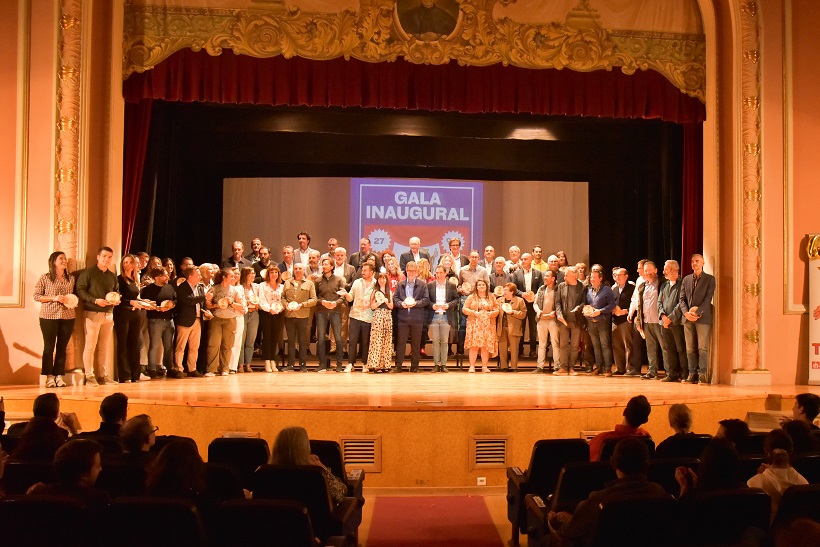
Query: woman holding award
[[251, 289], [128, 319], [54, 290], [271, 318]]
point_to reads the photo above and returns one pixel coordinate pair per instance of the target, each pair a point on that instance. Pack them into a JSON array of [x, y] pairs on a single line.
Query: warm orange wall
[[785, 335], [20, 340], [8, 137]]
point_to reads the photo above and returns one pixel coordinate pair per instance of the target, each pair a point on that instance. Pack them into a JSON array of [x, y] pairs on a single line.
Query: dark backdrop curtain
[[692, 194]]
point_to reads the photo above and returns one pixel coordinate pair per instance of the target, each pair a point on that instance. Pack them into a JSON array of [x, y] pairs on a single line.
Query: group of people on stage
[[206, 321]]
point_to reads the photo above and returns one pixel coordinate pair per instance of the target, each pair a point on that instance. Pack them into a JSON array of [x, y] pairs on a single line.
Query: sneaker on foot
[[50, 381], [209, 375], [226, 373], [108, 380], [349, 368], [471, 369], [144, 377], [59, 381], [91, 381], [485, 369]]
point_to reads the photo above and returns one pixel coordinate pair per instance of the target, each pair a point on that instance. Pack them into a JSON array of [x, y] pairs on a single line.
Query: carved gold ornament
[[813, 248], [373, 34]]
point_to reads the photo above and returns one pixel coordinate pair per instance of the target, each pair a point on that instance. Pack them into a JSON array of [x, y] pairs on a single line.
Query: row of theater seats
[[233, 464], [727, 517], [561, 476], [158, 522]]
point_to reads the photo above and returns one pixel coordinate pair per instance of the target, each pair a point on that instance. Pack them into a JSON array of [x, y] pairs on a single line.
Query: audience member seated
[[113, 411], [630, 461], [77, 465], [41, 436], [718, 470], [137, 436], [677, 445], [292, 447], [802, 439], [734, 430], [179, 472], [635, 415], [774, 477], [806, 408], [798, 532]]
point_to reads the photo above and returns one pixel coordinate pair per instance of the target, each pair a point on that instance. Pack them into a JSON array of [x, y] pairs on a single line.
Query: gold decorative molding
[[751, 176], [813, 248], [373, 33], [67, 148]]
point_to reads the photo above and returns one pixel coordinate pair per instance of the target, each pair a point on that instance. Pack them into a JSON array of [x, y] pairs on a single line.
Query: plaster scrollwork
[[752, 195], [373, 33], [67, 148]]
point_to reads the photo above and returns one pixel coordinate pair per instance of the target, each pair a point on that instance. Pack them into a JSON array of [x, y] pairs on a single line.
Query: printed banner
[[813, 250], [391, 211]]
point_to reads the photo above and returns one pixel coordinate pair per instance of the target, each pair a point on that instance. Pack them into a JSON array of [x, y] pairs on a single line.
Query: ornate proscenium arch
[[487, 32]]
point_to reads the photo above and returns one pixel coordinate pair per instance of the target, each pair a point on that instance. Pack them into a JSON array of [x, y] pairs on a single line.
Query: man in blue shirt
[[600, 301]]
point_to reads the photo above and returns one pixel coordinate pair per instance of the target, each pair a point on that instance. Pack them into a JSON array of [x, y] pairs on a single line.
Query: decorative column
[[67, 151], [749, 369]]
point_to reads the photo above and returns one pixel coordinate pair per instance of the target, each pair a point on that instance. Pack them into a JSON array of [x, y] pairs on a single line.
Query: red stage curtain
[[692, 202], [137, 124], [196, 76]]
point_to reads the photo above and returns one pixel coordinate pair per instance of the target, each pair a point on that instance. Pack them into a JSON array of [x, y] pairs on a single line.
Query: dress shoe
[[649, 376], [395, 370], [414, 369], [618, 373], [702, 379], [607, 374], [443, 368], [671, 379], [560, 372], [595, 372], [175, 374], [632, 373], [435, 368]]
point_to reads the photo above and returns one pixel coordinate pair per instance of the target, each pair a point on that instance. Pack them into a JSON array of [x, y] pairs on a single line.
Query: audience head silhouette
[[114, 408], [46, 405], [736, 431], [637, 411], [177, 471], [137, 435], [77, 462], [291, 447], [719, 465], [631, 457]]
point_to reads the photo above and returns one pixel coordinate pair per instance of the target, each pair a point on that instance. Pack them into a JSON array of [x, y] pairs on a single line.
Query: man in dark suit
[[286, 266], [528, 280], [410, 316], [414, 254], [696, 306], [622, 334], [569, 299], [459, 259], [444, 302], [674, 341], [236, 260], [190, 310], [348, 273], [262, 264]]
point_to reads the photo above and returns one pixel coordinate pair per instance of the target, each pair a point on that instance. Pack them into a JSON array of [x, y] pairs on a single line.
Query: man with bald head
[[622, 329]]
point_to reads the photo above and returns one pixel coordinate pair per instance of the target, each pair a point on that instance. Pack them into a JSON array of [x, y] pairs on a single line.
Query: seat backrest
[[223, 482], [723, 516], [748, 466], [331, 455], [659, 522], [809, 466], [243, 454], [549, 456], [303, 483], [752, 445], [122, 479], [165, 522], [20, 476], [801, 501], [281, 523], [662, 471], [577, 481], [608, 448], [30, 520], [9, 443], [689, 446]]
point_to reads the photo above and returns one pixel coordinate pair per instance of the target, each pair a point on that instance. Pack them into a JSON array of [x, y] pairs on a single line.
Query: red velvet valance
[[197, 76]]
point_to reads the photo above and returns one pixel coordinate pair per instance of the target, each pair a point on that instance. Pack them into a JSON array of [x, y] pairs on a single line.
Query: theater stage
[[422, 426]]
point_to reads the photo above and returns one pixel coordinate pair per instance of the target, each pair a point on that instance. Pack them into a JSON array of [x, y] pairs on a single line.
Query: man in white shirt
[[489, 256], [332, 243], [347, 272], [548, 325], [459, 259], [286, 266], [515, 260]]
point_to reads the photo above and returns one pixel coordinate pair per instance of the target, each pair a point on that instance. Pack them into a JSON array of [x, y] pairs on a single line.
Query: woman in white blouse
[[271, 318]]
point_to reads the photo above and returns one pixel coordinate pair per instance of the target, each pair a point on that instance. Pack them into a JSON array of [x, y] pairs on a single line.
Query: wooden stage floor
[[456, 390]]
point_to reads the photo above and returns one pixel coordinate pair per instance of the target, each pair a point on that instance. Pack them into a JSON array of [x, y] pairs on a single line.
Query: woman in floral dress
[[381, 331], [481, 309]]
